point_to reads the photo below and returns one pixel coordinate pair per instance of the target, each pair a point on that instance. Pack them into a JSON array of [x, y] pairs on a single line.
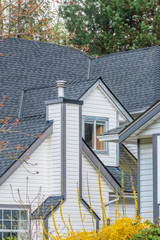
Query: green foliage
[[112, 25], [152, 231]]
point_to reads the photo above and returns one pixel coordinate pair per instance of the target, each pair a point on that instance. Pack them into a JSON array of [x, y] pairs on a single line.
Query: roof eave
[[109, 138]]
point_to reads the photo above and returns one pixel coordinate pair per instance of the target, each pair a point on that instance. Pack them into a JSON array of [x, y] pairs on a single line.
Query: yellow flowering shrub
[[123, 227]]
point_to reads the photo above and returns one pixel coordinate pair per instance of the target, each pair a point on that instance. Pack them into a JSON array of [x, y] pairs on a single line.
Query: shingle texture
[[45, 208], [27, 131], [133, 76], [127, 167]]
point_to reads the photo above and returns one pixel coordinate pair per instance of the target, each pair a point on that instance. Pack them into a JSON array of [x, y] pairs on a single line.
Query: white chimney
[[61, 85]]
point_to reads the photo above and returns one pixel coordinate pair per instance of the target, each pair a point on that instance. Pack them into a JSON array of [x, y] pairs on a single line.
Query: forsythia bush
[[123, 227]]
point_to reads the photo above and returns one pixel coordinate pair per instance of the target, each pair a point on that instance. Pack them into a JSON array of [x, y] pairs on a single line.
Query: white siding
[[70, 206], [39, 161], [55, 149], [90, 172], [97, 104], [132, 148], [129, 208], [154, 128], [146, 179]]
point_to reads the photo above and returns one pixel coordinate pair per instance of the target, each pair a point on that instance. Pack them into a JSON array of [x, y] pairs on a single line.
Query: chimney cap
[[61, 83]]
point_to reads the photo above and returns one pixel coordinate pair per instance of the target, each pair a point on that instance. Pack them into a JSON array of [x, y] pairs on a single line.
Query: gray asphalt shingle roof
[[133, 76], [45, 208], [32, 126]]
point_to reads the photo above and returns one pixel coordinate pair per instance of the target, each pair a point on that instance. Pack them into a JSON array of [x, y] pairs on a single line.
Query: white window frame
[[21, 231], [106, 127]]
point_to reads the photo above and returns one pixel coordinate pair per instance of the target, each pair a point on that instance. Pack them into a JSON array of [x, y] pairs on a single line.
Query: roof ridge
[[126, 52], [49, 43]]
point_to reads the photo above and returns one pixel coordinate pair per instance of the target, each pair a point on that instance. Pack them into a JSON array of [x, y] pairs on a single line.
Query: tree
[[30, 19], [105, 26]]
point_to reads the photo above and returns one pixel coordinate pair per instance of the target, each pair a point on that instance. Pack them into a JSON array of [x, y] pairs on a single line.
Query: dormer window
[[92, 128]]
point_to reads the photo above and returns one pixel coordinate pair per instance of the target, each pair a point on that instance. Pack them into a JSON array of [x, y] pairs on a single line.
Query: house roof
[[127, 167], [26, 133], [123, 132], [29, 71], [45, 208], [133, 76]]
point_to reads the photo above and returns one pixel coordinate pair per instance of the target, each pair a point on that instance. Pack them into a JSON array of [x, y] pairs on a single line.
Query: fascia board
[[109, 138]]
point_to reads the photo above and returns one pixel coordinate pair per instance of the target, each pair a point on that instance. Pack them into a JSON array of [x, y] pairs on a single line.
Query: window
[[13, 223], [92, 128]]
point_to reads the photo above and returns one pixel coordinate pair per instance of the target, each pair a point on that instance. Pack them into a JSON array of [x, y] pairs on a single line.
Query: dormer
[[102, 111]]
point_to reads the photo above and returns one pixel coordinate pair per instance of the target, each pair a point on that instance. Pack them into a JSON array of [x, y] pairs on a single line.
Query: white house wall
[[97, 104], [129, 208], [132, 148], [146, 179], [154, 128], [39, 162], [54, 113], [70, 206], [90, 174]]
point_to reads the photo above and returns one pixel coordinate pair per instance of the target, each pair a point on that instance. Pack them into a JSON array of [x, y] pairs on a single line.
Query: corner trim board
[[138, 177], [155, 185]]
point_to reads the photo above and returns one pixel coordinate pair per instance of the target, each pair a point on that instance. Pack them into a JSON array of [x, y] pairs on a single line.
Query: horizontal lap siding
[[129, 207], [70, 206], [132, 148], [154, 128], [55, 149], [146, 179], [18, 179], [91, 173], [97, 104]]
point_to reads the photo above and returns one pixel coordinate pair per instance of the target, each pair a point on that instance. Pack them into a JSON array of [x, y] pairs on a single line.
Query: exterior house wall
[[146, 178], [154, 128], [18, 179], [132, 148], [97, 104], [54, 113], [70, 206], [90, 179], [129, 208]]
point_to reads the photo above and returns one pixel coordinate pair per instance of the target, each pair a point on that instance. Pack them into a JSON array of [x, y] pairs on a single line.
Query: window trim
[[106, 127], [18, 207]]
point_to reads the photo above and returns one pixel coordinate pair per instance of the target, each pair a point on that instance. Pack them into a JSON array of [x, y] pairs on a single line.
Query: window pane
[[6, 234], [0, 236], [14, 235], [24, 225], [15, 214], [7, 225], [99, 130], [0, 224], [89, 138], [15, 224], [0, 214], [24, 215], [7, 214]]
